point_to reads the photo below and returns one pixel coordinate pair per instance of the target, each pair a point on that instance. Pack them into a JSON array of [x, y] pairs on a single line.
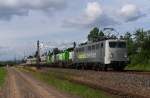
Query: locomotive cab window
[[102, 45], [122, 45], [117, 44]]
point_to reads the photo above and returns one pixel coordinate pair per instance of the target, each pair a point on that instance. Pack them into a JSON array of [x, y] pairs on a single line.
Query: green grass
[[139, 67], [2, 76], [61, 82]]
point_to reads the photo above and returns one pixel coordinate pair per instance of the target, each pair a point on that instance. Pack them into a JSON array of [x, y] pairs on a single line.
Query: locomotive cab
[[117, 53]]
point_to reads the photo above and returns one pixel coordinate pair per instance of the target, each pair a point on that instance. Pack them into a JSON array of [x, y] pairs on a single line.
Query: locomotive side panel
[[93, 53]]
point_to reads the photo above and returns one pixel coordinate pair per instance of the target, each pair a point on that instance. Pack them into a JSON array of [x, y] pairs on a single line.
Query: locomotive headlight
[[125, 55], [111, 55]]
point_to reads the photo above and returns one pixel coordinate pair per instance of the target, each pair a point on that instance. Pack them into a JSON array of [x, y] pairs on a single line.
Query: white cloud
[[93, 15], [9, 8], [131, 12], [93, 11]]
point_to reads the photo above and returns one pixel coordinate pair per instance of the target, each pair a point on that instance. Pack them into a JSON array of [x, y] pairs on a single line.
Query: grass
[[2, 76], [139, 67], [61, 82]]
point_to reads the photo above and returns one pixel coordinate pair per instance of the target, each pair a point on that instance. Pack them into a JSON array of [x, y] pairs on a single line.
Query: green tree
[[139, 37], [130, 43], [128, 36], [141, 43], [95, 35], [101, 33]]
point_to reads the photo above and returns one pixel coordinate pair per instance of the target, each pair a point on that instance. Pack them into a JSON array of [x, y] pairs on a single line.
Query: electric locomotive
[[111, 53]]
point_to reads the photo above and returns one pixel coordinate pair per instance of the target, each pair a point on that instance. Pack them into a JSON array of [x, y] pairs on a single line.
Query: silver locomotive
[[111, 53]]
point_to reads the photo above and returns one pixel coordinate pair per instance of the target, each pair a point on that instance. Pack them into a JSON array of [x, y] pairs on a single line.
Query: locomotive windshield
[[117, 44]]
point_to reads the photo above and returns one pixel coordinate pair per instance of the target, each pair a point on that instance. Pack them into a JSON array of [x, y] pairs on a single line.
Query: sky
[[54, 22]]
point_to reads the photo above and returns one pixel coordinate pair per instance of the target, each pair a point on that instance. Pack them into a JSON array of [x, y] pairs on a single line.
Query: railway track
[[128, 84], [132, 72], [108, 71]]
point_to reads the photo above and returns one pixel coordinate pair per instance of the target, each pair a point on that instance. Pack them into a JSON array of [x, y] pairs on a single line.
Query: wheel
[[101, 67], [82, 66], [118, 68], [78, 66], [105, 67]]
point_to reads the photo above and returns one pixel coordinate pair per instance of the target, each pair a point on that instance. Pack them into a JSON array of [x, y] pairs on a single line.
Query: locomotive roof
[[93, 43]]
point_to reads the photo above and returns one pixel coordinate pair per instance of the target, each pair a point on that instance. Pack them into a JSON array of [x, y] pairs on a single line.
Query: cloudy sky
[[23, 22]]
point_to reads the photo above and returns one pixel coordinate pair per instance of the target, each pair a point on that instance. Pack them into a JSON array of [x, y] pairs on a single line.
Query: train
[[101, 55]]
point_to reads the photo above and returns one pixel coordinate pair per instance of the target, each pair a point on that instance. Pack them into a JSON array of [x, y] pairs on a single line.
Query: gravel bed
[[137, 85]]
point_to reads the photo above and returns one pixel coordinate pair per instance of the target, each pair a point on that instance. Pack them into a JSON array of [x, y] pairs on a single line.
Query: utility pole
[[24, 57], [74, 45], [38, 54], [15, 59]]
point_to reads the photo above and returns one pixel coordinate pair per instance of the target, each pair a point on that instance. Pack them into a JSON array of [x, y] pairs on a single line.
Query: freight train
[[101, 55]]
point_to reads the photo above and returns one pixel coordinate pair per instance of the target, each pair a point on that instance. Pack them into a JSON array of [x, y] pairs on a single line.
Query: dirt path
[[22, 85]]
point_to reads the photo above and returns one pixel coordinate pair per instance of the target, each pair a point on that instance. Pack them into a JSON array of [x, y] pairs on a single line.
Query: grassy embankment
[[139, 67], [2, 76], [62, 82]]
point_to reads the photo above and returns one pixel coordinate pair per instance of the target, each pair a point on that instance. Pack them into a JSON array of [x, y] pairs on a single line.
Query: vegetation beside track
[[2, 76], [62, 82], [138, 50], [139, 67]]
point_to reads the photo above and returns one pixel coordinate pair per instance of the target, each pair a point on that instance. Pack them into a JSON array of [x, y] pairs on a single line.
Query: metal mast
[[38, 53]]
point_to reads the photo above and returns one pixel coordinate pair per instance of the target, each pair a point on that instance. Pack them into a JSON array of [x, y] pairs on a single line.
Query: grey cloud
[[102, 21], [3, 47], [93, 15], [7, 14], [10, 8], [134, 18], [131, 12]]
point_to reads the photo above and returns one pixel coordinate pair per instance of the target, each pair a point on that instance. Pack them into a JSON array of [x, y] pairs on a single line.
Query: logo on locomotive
[[86, 55]]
